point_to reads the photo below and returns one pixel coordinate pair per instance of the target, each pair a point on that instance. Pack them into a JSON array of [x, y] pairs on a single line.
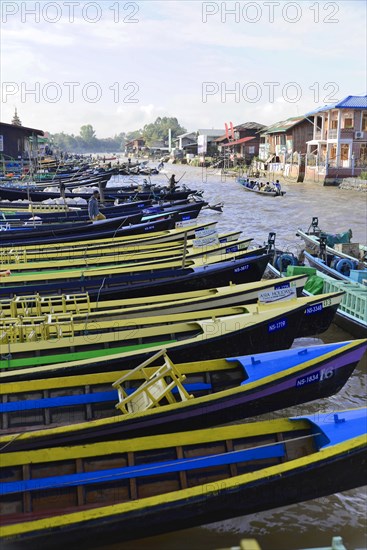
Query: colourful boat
[[141, 279], [123, 258], [79, 307], [254, 328], [150, 400], [108, 490]]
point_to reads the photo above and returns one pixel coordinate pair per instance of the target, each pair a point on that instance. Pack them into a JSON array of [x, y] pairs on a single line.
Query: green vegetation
[[87, 141]]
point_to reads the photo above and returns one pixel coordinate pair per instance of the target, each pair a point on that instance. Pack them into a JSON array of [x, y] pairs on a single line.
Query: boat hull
[[244, 270], [318, 380], [166, 501]]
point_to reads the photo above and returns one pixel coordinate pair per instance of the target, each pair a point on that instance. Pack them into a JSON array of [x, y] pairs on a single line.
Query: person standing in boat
[[62, 189], [278, 187], [172, 183], [93, 208]]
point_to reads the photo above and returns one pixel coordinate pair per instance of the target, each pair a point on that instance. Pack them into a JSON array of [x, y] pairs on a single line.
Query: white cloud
[[169, 53]]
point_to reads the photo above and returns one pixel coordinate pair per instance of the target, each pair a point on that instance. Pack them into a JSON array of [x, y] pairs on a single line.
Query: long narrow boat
[[271, 193], [80, 304], [13, 193], [123, 258], [351, 314], [104, 492], [100, 232], [140, 280], [152, 400], [19, 221], [255, 328], [118, 245], [316, 241], [336, 268], [139, 234], [45, 233]]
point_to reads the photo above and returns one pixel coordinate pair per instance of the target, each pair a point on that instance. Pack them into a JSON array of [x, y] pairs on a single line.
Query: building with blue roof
[[338, 147]]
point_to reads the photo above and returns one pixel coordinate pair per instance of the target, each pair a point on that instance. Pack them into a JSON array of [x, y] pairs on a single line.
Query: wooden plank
[[132, 481]]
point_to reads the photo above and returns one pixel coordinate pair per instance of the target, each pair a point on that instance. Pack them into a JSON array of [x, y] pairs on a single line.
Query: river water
[[315, 522]]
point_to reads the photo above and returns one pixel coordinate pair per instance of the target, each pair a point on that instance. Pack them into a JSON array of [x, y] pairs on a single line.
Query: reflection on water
[[311, 523]]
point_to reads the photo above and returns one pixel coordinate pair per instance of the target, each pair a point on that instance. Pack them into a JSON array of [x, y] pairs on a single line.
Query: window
[[364, 121], [363, 154], [348, 123], [344, 151]]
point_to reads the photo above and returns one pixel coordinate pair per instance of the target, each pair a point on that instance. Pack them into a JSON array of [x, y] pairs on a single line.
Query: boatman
[[93, 207], [172, 183], [278, 187]]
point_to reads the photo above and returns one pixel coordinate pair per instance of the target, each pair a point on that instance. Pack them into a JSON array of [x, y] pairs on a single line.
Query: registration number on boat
[[318, 376], [313, 309], [277, 325], [241, 268], [281, 285], [315, 377]]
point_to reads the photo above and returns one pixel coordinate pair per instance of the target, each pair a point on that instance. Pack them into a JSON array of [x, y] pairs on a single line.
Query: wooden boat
[[246, 185], [36, 230], [18, 219], [103, 492], [150, 400], [252, 544], [100, 232], [320, 243], [209, 334], [115, 246], [141, 280], [340, 269], [34, 305], [351, 314], [120, 257], [141, 234], [14, 193]]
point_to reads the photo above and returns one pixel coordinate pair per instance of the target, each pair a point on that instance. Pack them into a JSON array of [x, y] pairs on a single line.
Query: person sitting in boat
[[256, 187], [267, 187], [93, 207], [172, 183]]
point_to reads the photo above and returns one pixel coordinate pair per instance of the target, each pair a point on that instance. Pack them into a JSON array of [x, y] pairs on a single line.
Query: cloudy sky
[[119, 65]]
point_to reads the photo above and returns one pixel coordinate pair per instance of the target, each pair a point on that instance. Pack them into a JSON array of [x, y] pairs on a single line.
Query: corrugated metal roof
[[283, 125], [242, 140], [349, 102], [186, 134], [212, 132], [250, 126]]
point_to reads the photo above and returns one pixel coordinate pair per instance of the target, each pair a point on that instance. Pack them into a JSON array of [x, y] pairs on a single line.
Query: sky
[[120, 65]]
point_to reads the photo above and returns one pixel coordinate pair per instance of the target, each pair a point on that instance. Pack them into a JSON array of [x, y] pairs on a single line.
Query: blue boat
[[108, 490], [203, 393]]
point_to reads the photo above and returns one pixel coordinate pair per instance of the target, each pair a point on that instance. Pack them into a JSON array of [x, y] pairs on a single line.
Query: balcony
[[333, 134]]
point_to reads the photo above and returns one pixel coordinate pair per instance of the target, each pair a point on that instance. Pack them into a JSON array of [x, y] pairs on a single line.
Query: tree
[[158, 130], [87, 134]]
